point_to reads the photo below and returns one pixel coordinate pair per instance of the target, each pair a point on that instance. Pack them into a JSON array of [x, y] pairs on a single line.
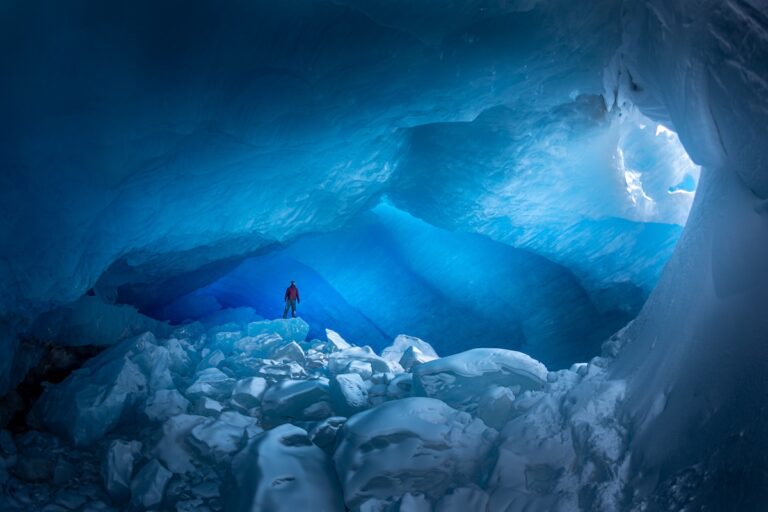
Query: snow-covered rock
[[461, 379], [418, 445], [282, 471]]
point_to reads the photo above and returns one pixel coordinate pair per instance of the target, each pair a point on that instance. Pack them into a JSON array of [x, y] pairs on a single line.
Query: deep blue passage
[[389, 273]]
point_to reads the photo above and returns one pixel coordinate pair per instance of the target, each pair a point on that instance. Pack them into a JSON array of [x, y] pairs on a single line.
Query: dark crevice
[[55, 364]]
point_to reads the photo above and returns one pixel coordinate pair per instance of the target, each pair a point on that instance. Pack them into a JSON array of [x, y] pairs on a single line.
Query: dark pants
[[290, 303]]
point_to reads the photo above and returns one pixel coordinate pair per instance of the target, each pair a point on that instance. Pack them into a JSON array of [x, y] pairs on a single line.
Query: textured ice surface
[[148, 486], [461, 379], [94, 399], [394, 277], [161, 161], [484, 119], [118, 467], [89, 321], [397, 349], [349, 393], [281, 470], [409, 445], [495, 431]]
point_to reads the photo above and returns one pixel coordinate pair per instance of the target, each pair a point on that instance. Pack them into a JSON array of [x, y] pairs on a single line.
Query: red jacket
[[292, 293]]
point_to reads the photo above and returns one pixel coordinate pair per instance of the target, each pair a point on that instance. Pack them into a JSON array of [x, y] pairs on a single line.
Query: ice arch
[[389, 272], [692, 356], [128, 193], [172, 161]]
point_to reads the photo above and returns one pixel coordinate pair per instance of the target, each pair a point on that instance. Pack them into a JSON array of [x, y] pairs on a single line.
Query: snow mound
[[409, 351], [282, 470], [461, 380], [410, 445]]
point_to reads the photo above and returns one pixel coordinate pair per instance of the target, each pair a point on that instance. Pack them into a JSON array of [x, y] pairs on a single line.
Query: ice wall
[[558, 181], [160, 153], [254, 124], [696, 353], [388, 273]]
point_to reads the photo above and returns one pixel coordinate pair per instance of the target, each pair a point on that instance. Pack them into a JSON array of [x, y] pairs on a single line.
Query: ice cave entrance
[[552, 279]]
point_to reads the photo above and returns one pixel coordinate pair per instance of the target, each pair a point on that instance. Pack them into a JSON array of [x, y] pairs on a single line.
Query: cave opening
[[551, 267], [519, 291]]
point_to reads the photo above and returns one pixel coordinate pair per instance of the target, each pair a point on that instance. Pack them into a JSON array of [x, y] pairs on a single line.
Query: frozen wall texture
[[245, 125], [166, 154], [693, 355]]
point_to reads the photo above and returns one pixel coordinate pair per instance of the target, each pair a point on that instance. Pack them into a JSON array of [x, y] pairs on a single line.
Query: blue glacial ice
[[586, 186]]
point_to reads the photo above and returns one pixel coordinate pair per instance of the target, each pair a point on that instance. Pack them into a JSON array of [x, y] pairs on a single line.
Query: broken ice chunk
[[415, 503], [90, 402], [117, 468], [291, 329], [211, 359], [412, 357], [248, 392], [395, 351], [496, 406], [417, 445], [400, 386], [296, 400], [165, 403], [289, 352], [172, 448], [212, 383], [148, 486], [349, 394], [460, 379], [273, 370], [336, 341], [463, 498], [180, 353], [324, 433], [189, 331], [215, 439], [346, 360], [205, 406], [282, 471], [236, 419]]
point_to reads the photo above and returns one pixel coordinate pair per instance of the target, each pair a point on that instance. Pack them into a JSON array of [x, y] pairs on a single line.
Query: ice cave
[[529, 241]]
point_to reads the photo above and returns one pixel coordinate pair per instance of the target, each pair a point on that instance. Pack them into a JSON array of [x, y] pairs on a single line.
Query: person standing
[[291, 299]]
